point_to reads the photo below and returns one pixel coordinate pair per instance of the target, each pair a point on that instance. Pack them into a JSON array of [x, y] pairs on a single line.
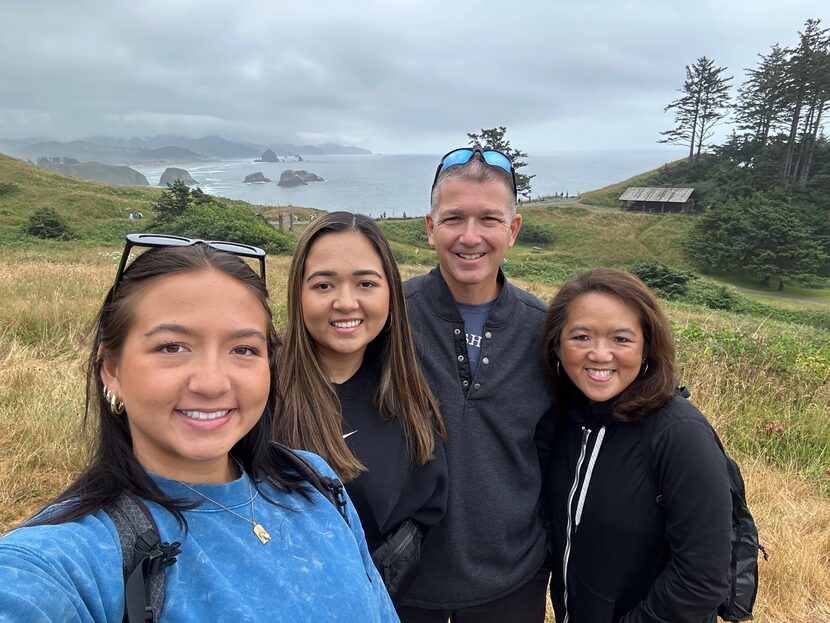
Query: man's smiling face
[[471, 230]]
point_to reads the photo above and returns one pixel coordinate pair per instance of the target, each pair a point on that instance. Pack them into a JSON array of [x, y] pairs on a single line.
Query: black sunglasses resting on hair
[[166, 240]]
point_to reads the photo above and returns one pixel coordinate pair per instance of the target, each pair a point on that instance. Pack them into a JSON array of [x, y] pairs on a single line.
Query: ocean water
[[399, 184]]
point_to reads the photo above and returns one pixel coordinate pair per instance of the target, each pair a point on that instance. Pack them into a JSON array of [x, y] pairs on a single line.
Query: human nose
[[601, 351], [345, 299], [210, 377], [470, 234]]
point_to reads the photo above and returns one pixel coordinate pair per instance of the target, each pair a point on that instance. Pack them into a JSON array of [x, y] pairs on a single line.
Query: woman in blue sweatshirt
[[182, 383]]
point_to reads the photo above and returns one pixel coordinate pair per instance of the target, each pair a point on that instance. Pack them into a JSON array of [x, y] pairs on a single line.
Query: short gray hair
[[476, 170]]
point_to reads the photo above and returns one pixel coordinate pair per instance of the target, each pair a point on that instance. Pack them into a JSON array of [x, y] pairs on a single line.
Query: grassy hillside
[[96, 212], [78, 201]]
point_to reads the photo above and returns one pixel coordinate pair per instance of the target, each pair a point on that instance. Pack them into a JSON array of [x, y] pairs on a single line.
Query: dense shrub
[[535, 233], [7, 188], [712, 295], [48, 224], [212, 221], [667, 282]]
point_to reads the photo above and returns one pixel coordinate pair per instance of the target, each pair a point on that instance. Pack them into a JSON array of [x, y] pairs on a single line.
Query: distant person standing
[[478, 338]]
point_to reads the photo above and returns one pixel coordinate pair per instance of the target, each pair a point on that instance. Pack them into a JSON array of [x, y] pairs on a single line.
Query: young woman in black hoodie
[[353, 390], [620, 554]]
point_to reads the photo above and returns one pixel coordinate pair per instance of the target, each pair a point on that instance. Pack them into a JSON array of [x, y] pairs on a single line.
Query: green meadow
[[756, 362]]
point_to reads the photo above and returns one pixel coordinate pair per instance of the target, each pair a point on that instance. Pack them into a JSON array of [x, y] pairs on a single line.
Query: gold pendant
[[261, 533]]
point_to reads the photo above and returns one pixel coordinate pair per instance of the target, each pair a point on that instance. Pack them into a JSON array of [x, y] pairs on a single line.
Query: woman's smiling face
[[601, 346], [192, 372], [345, 297]]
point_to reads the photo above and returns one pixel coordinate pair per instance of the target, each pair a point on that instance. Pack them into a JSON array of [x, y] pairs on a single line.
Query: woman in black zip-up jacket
[[636, 535]]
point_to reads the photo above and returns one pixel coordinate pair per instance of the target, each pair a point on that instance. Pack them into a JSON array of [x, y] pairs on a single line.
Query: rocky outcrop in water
[[171, 174], [289, 177], [255, 178], [269, 156]]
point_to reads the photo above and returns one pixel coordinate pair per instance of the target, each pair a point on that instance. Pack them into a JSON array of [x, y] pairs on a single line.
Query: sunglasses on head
[[165, 240], [464, 154]]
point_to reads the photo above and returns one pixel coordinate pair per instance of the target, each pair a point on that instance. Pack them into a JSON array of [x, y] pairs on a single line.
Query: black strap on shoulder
[[144, 558], [648, 445], [331, 488]]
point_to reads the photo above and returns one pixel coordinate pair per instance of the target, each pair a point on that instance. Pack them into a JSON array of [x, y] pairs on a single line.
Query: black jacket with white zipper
[[618, 556]]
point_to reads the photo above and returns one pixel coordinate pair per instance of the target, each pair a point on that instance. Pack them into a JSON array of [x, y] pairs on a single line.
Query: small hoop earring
[[643, 373], [115, 404], [558, 370]]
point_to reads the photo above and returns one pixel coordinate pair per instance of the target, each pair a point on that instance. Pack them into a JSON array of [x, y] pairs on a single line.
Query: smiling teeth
[[467, 256], [346, 324], [595, 372], [203, 415]]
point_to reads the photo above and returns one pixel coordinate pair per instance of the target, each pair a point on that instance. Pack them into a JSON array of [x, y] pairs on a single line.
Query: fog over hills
[[161, 148]]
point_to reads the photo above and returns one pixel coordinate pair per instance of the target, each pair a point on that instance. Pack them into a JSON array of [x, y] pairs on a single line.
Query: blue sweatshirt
[[315, 568]]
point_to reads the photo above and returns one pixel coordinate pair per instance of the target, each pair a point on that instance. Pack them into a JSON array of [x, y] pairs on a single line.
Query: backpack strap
[[144, 558], [743, 569], [648, 445], [331, 488]]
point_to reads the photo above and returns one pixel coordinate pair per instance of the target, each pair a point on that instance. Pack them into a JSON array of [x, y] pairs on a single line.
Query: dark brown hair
[[113, 468], [655, 386], [311, 416]]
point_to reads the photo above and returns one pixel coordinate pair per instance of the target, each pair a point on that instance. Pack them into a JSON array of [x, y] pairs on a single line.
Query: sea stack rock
[[171, 174], [255, 178], [269, 156], [290, 177]]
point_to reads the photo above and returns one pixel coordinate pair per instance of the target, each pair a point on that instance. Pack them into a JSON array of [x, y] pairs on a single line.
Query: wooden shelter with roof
[[656, 199]]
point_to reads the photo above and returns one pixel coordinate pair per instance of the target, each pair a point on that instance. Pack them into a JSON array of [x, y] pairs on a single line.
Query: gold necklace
[[259, 530]]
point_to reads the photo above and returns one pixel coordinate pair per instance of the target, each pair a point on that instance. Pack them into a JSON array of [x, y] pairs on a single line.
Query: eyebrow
[[588, 329], [182, 330], [455, 211], [333, 273]]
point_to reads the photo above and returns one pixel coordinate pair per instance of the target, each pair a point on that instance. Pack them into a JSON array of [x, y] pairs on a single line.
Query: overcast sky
[[409, 76]]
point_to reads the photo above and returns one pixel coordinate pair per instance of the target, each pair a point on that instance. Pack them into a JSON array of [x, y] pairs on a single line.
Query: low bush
[[535, 233], [665, 281], [47, 224], [7, 188], [212, 221]]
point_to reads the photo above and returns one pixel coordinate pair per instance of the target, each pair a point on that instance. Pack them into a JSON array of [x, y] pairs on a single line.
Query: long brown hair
[[655, 386], [113, 468], [311, 415]]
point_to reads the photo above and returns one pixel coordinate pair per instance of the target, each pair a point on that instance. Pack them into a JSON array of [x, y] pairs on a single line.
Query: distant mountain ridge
[[161, 148]]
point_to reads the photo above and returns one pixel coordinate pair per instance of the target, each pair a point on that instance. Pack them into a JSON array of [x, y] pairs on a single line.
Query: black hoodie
[[626, 558]]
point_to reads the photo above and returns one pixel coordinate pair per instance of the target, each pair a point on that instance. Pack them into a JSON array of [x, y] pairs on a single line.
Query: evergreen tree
[[760, 107], [48, 224], [702, 106], [494, 139], [807, 97], [172, 204], [782, 244], [766, 234]]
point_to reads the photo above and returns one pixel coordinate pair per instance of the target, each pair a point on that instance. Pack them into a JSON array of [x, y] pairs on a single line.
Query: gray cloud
[[390, 76]]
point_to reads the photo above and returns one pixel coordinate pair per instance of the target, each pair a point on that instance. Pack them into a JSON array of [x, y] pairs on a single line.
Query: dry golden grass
[[48, 302]]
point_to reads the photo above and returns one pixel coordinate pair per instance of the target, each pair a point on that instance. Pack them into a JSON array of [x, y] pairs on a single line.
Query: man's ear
[[430, 226], [515, 226]]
